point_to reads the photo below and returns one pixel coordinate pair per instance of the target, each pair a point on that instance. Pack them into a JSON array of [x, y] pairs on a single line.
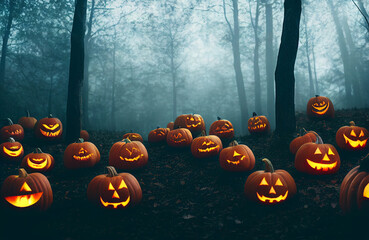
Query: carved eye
[[353, 133], [226, 124], [317, 151], [279, 183], [122, 185], [323, 102], [111, 187], [235, 154], [330, 152], [263, 182], [25, 187], [14, 147], [50, 127], [361, 133]]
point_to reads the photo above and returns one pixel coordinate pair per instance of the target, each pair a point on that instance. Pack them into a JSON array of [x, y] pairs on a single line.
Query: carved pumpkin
[[114, 191], [206, 146], [222, 128], [127, 154], [38, 161], [84, 134], [11, 150], [237, 158], [170, 125], [158, 134], [180, 137], [133, 137], [352, 137], [49, 128], [309, 136], [27, 122], [193, 122], [320, 108], [258, 124], [15, 131], [354, 190], [27, 190], [270, 186], [317, 158], [81, 155]]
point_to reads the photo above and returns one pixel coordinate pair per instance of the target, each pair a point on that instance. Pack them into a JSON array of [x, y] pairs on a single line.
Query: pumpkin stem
[[157, 127], [111, 171], [233, 143], [304, 131], [218, 118], [352, 123], [22, 173], [203, 133], [50, 115], [11, 140], [126, 140], [319, 140], [10, 122], [254, 114], [38, 150], [28, 115], [80, 140], [316, 95], [268, 165]]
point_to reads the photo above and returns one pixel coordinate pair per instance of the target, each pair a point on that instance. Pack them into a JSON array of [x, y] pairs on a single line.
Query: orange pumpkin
[[127, 154], [38, 161], [206, 146], [180, 137], [84, 134], [258, 124], [309, 136], [81, 155], [352, 137], [170, 125], [158, 134], [222, 128], [49, 128], [11, 150], [193, 122], [237, 158], [28, 122], [319, 107], [133, 137], [15, 131]]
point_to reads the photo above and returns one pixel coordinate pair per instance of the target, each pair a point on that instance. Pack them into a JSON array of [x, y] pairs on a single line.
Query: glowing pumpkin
[[81, 155], [15, 131], [38, 161], [352, 137], [127, 154], [222, 128], [114, 191], [27, 122], [270, 186], [49, 128], [237, 158], [84, 134], [258, 124], [180, 137], [11, 150], [317, 158], [309, 136], [319, 107], [206, 146], [133, 137], [193, 122], [27, 190], [158, 134]]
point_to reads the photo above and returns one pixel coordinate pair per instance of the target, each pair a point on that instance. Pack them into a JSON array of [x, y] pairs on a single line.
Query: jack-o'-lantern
[[180, 137], [27, 190], [270, 186], [222, 128], [11, 150], [84, 134], [127, 154], [27, 122], [81, 154], [317, 158], [158, 134], [15, 131], [237, 158], [38, 161], [258, 124], [352, 137], [206, 146], [309, 136], [354, 190], [49, 128], [319, 107], [114, 190], [193, 122], [170, 125], [133, 137]]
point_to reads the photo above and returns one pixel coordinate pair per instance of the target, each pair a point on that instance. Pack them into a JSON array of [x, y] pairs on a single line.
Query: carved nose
[[326, 158], [272, 190], [115, 194]]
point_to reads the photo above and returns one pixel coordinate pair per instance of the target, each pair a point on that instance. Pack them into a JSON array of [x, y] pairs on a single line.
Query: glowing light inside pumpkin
[[131, 159], [116, 195], [208, 149], [13, 153], [82, 156], [270, 199], [50, 134], [37, 163], [356, 143], [51, 127], [22, 201], [366, 191], [235, 155], [320, 108], [16, 132], [321, 166]]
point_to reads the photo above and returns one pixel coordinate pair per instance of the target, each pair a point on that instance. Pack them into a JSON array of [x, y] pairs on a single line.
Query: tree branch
[[225, 16]]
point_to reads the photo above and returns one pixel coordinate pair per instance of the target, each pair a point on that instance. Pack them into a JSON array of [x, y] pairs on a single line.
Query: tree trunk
[[112, 113], [76, 70], [311, 83], [269, 61], [284, 73], [315, 75], [174, 79], [49, 106], [256, 60]]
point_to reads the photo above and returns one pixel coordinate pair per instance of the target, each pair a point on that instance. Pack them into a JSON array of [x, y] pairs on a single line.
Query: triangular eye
[[25, 187], [353, 133], [361, 133], [111, 187], [317, 151], [279, 183], [122, 185], [263, 182], [235, 154], [330, 152]]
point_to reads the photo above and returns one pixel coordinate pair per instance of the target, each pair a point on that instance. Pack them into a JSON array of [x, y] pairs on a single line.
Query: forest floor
[[188, 198]]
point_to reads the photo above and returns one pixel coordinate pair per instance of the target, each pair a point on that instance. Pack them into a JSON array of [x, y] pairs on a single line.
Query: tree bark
[[311, 83], [314, 64], [76, 70], [269, 61], [256, 60], [112, 113], [174, 79], [284, 73]]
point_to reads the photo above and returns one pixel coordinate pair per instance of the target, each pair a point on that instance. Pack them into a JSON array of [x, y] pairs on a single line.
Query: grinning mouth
[[258, 126], [236, 162], [82, 158], [277, 199], [356, 143], [321, 110], [115, 205], [24, 200], [16, 132], [12, 153], [50, 134], [321, 166], [208, 149], [179, 141], [36, 165], [131, 159]]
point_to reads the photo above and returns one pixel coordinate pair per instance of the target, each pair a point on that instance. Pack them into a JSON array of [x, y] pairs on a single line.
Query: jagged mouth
[[356, 143], [321, 110], [36, 165], [261, 126], [194, 124], [271, 200], [24, 200], [209, 149], [16, 132], [179, 141], [13, 153], [115, 205], [130, 159], [321, 166], [50, 134], [225, 131], [83, 158], [237, 161]]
